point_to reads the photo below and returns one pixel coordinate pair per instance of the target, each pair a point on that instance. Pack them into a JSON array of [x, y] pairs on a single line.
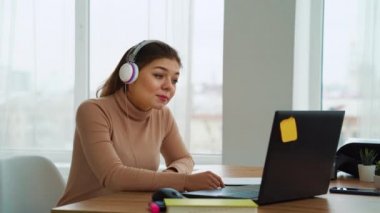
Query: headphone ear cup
[[128, 72]]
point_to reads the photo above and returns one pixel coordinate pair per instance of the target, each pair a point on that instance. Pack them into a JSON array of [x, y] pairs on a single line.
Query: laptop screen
[[300, 154]]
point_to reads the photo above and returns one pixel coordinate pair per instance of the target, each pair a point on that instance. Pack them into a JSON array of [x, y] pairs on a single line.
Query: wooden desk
[[135, 202]]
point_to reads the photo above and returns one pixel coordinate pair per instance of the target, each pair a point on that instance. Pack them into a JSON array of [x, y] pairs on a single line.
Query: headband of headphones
[[132, 56]]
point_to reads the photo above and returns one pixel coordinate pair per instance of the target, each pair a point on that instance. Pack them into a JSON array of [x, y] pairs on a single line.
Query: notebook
[[298, 162]]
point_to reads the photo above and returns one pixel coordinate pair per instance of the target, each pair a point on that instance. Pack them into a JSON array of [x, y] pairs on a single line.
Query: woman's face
[[155, 85]]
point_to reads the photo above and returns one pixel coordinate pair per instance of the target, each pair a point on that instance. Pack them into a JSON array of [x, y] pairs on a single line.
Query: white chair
[[29, 184]]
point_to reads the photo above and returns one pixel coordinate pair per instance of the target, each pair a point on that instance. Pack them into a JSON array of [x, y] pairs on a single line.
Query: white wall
[[258, 74]]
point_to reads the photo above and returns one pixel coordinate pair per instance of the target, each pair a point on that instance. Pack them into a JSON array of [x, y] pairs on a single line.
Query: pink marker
[[154, 208]]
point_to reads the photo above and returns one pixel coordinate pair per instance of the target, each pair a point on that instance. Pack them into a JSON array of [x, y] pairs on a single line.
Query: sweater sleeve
[[174, 151], [94, 129]]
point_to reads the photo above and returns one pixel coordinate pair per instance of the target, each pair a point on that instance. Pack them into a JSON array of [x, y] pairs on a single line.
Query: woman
[[119, 136]]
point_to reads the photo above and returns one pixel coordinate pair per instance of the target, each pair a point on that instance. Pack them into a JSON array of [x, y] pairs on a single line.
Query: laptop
[[298, 162]]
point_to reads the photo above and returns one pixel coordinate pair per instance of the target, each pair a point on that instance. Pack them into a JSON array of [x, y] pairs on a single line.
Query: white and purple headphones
[[129, 71]]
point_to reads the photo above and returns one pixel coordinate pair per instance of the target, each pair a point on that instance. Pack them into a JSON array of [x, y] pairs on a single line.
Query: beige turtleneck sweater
[[117, 148]]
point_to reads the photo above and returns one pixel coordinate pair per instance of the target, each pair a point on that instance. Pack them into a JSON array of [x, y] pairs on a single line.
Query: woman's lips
[[163, 98]]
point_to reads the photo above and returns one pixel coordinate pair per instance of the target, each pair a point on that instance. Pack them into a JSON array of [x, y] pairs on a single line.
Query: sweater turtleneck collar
[[128, 108]]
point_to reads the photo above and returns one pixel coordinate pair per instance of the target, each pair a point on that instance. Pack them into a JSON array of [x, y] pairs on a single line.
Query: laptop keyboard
[[244, 191], [247, 191]]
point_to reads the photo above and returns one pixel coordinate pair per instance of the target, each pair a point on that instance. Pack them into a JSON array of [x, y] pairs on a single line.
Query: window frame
[[308, 58]]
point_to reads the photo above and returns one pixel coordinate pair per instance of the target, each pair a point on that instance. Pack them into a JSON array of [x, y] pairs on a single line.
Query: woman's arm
[[176, 156]]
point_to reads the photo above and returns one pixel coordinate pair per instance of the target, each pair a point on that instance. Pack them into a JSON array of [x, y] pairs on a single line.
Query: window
[[207, 79], [36, 75], [41, 84], [351, 65]]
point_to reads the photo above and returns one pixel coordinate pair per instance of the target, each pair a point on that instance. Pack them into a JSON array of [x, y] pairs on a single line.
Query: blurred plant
[[368, 156]]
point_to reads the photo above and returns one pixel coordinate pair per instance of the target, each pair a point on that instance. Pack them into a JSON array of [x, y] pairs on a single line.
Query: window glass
[[351, 65], [36, 74], [207, 77]]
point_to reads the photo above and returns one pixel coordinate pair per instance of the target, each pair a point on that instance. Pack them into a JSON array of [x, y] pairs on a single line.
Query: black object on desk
[[158, 203], [355, 191], [347, 157]]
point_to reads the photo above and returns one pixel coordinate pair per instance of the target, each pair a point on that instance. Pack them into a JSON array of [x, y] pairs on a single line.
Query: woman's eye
[[158, 76], [174, 81]]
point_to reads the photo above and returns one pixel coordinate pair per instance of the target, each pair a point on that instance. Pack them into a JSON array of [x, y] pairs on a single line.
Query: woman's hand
[[171, 169], [203, 181]]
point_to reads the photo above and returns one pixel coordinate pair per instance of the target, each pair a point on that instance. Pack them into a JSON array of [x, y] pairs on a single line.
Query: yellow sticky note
[[288, 128]]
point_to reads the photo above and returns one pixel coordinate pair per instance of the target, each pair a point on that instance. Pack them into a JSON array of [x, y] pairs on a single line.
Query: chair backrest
[[29, 184]]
